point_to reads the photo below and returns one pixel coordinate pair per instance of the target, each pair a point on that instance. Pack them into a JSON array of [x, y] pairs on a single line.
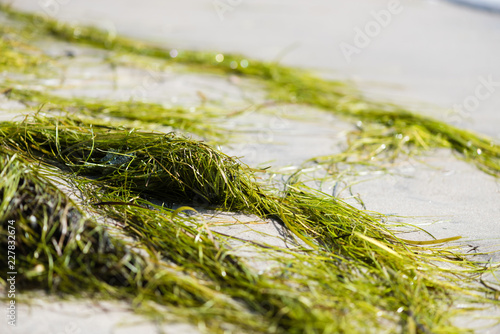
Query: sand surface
[[431, 52]]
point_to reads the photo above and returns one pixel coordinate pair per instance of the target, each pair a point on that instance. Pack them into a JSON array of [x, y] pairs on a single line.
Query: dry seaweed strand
[[201, 123]]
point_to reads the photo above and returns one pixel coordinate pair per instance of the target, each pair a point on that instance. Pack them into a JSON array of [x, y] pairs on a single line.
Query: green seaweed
[[200, 123], [60, 250], [17, 55], [386, 135], [349, 249]]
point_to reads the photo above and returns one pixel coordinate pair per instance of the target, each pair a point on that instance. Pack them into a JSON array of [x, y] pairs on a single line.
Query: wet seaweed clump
[[57, 247], [60, 250], [345, 250], [167, 166]]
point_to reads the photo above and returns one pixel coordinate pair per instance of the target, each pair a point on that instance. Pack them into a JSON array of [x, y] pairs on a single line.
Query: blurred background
[[437, 57]]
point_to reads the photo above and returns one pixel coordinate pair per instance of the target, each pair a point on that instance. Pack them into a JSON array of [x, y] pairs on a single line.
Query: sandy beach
[[433, 57]]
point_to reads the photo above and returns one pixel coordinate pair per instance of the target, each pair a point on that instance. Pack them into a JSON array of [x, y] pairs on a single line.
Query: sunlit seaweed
[[200, 123], [16, 54], [347, 243], [59, 249]]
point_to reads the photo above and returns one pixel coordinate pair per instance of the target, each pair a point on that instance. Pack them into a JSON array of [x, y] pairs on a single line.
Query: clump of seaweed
[[59, 249], [177, 170], [56, 246], [353, 249], [168, 166]]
